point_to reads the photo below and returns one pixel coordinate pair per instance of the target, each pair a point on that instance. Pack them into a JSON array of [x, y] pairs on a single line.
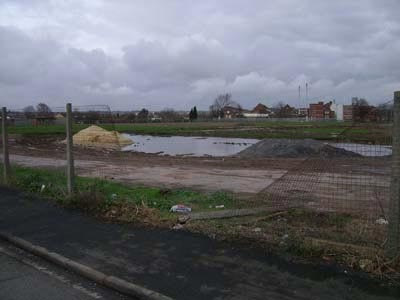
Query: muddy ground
[[356, 188], [345, 184]]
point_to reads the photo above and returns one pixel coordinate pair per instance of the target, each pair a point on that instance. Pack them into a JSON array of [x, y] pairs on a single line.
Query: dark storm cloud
[[180, 53]]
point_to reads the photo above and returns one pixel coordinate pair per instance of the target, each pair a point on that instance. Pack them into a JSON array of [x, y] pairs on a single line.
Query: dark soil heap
[[294, 148]]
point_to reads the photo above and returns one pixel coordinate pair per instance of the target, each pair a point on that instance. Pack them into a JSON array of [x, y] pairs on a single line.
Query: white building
[[338, 110], [255, 115]]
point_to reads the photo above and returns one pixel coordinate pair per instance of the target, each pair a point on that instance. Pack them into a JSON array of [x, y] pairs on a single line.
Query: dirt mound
[[294, 148], [97, 137]]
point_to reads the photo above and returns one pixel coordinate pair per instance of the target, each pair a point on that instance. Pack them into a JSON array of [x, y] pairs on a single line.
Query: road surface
[[25, 277]]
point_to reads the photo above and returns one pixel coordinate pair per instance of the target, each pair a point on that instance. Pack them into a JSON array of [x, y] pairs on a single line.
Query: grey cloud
[[181, 53]]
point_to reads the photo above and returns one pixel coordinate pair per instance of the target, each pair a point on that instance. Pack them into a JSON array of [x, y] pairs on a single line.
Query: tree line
[[221, 104]]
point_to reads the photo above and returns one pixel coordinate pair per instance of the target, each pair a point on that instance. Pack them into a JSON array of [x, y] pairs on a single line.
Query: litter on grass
[[180, 208], [382, 221]]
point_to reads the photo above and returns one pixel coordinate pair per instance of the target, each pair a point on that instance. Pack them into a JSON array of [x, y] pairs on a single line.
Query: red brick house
[[286, 111], [360, 113], [365, 113], [261, 109], [321, 110], [347, 112], [230, 112]]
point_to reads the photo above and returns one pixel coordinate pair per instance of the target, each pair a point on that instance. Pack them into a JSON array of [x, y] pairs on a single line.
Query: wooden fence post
[[393, 238], [4, 135], [70, 154]]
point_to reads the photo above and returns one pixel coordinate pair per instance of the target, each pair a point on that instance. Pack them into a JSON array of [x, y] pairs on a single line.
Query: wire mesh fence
[[37, 139], [340, 194]]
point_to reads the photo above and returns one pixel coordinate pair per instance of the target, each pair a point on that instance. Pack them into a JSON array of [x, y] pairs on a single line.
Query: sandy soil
[[207, 179]]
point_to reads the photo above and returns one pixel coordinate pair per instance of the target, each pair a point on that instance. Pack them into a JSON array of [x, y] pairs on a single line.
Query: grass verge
[[114, 200], [334, 238], [344, 239]]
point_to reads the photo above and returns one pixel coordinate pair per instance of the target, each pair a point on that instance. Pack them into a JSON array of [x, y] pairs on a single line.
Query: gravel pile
[[294, 148]]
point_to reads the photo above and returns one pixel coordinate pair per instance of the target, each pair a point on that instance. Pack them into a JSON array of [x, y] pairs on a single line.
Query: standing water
[[191, 146], [217, 146]]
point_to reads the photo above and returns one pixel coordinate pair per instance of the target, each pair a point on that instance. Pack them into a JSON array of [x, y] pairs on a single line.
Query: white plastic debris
[[114, 196], [285, 236], [257, 229], [177, 227], [180, 208], [382, 221], [42, 188], [220, 206]]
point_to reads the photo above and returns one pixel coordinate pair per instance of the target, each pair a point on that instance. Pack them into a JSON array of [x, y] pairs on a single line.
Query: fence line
[[6, 159], [70, 152], [393, 243], [341, 185]]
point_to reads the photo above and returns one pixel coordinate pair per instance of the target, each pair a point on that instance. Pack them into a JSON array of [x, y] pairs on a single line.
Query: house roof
[[260, 108]]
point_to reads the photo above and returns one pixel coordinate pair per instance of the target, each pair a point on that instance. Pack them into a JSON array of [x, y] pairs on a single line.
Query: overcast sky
[[166, 53]]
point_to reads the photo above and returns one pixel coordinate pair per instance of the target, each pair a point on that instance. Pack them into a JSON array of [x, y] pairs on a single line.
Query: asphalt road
[[25, 277], [179, 264]]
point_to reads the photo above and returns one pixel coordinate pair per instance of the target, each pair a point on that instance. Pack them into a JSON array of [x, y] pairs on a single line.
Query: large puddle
[[190, 146], [217, 146], [365, 149]]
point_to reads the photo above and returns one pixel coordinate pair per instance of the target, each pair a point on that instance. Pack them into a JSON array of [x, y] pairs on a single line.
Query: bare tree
[[361, 109], [169, 115], [143, 116], [279, 109], [385, 112], [283, 110], [222, 101], [359, 102], [43, 109], [279, 105], [29, 112]]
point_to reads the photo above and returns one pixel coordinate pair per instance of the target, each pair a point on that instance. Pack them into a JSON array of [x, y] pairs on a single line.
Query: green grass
[[365, 132], [31, 181]]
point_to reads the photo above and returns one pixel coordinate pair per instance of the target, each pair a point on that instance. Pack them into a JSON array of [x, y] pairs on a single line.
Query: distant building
[[321, 111], [347, 113], [287, 111], [302, 112], [365, 113], [259, 111], [10, 119], [231, 112], [360, 113], [154, 117], [59, 119], [338, 111], [43, 119]]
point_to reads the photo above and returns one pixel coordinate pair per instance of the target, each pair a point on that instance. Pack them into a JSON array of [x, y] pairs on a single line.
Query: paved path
[[24, 277], [176, 263]]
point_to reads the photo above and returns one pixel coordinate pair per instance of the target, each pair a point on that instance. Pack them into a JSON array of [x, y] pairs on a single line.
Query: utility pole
[[306, 92], [393, 238], [299, 95], [70, 153], [4, 135]]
